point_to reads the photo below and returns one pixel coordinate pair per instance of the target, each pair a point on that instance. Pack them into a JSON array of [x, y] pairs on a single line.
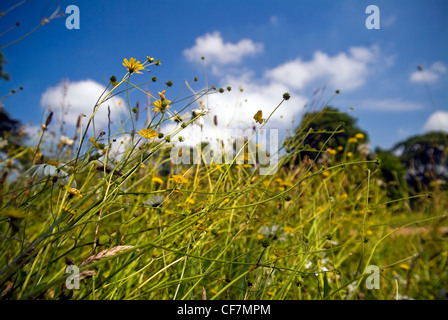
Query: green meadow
[[80, 220]]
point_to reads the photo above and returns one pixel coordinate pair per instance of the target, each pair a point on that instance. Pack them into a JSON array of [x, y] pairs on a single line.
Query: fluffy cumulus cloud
[[213, 47], [435, 71], [235, 109], [438, 121], [69, 99], [345, 71]]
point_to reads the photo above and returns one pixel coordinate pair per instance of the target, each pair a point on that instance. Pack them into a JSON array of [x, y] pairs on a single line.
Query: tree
[[322, 130], [426, 160], [3, 75], [393, 173]]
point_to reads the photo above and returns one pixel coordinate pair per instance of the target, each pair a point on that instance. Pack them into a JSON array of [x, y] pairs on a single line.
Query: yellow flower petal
[[147, 133], [133, 65], [259, 116], [178, 179], [158, 180]]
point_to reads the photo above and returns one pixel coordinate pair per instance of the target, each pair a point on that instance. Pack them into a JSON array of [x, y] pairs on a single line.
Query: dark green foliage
[[10, 129], [426, 159], [393, 173], [3, 75], [328, 128]]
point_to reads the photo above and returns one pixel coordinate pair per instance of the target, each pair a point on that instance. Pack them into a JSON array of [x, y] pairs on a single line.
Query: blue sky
[[266, 47]]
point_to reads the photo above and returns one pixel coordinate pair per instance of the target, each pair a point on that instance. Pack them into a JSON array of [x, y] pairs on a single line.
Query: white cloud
[[343, 71], [432, 74], [346, 71], [216, 51], [389, 105], [438, 121], [69, 99], [236, 109]]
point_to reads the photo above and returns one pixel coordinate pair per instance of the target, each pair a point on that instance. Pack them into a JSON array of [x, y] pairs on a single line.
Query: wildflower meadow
[[135, 212]]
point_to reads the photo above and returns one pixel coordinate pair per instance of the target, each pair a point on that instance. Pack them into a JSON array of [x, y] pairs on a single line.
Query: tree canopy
[[322, 130], [425, 158]]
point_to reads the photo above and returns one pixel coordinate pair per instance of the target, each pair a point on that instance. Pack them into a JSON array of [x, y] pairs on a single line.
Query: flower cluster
[[162, 104]]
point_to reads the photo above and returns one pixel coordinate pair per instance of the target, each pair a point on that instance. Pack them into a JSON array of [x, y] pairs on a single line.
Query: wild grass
[[139, 227]]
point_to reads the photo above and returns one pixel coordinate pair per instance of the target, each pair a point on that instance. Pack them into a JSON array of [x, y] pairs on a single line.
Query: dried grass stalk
[[104, 254], [86, 274]]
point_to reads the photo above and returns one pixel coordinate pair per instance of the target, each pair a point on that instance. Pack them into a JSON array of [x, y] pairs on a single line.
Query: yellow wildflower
[[99, 146], [147, 133], [161, 105], [340, 148], [158, 180], [132, 65], [352, 140], [331, 151], [405, 266], [178, 179], [75, 192], [359, 136], [289, 230], [279, 253], [53, 163], [259, 117], [320, 209], [67, 209], [283, 183], [349, 154], [162, 95]]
